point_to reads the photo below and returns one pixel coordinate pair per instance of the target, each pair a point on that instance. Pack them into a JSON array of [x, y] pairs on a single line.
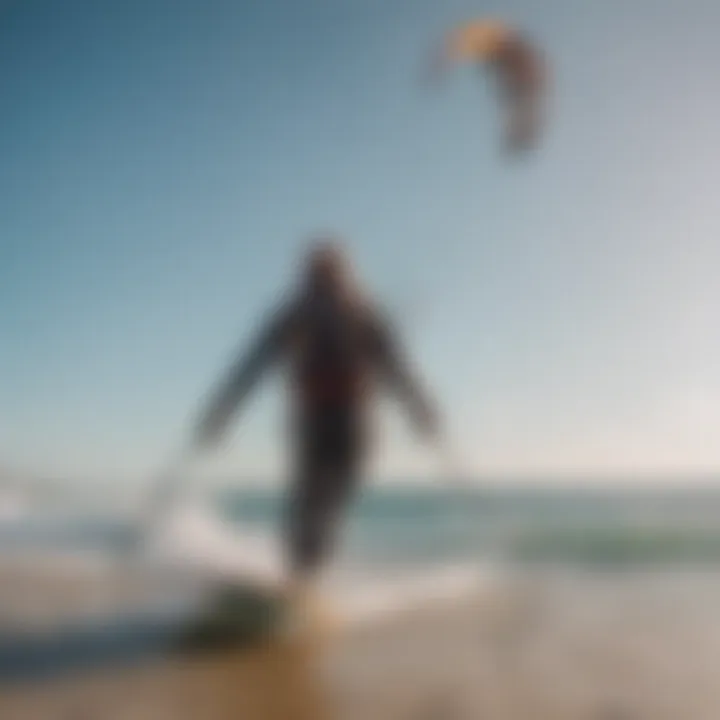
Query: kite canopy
[[518, 69], [477, 41]]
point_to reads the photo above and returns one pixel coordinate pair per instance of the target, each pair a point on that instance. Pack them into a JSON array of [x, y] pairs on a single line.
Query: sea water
[[410, 526]]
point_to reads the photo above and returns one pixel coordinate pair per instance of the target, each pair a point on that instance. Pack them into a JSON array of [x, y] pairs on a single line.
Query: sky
[[162, 163]]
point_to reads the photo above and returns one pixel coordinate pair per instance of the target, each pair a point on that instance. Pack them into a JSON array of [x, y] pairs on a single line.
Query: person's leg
[[310, 539], [327, 469], [307, 507], [316, 511]]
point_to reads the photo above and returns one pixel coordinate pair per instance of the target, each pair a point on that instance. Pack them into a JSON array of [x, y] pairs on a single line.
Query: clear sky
[[161, 162]]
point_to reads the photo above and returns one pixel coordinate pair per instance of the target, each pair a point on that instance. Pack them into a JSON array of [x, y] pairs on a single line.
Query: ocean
[[590, 526], [413, 525], [402, 544]]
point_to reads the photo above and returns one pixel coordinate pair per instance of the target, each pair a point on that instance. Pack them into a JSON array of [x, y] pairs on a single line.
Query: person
[[338, 347]]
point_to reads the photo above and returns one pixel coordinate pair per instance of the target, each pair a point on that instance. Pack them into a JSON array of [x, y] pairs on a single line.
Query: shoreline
[[554, 648]]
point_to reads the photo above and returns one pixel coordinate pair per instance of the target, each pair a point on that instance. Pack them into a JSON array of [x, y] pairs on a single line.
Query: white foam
[[196, 539], [371, 599]]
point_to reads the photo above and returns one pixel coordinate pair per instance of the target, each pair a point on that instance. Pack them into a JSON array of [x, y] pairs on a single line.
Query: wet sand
[[594, 647]]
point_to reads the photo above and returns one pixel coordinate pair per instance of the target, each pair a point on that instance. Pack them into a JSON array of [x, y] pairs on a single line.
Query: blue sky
[[162, 162]]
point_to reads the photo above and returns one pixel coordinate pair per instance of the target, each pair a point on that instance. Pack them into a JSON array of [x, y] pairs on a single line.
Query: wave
[[365, 600], [191, 552], [197, 538], [618, 546]]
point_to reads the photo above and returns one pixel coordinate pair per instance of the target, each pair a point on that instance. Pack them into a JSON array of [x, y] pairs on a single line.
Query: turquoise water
[[420, 525], [589, 527]]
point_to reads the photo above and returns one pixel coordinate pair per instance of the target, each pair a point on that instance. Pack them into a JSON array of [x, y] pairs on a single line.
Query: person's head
[[327, 266]]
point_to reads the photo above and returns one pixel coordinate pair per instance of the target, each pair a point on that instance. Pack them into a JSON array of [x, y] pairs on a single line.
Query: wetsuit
[[333, 349]]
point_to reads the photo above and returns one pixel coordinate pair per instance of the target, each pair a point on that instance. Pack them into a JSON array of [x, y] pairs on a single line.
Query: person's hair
[[327, 261]]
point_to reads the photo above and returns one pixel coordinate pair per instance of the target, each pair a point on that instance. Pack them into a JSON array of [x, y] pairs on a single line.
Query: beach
[[581, 646], [598, 615]]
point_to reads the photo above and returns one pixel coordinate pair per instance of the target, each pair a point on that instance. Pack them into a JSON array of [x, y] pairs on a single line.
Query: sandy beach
[[608, 646]]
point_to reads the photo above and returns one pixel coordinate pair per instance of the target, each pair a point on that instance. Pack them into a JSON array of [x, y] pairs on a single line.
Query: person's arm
[[397, 372], [241, 379]]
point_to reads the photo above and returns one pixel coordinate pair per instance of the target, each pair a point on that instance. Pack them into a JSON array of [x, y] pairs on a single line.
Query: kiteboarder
[[335, 343]]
